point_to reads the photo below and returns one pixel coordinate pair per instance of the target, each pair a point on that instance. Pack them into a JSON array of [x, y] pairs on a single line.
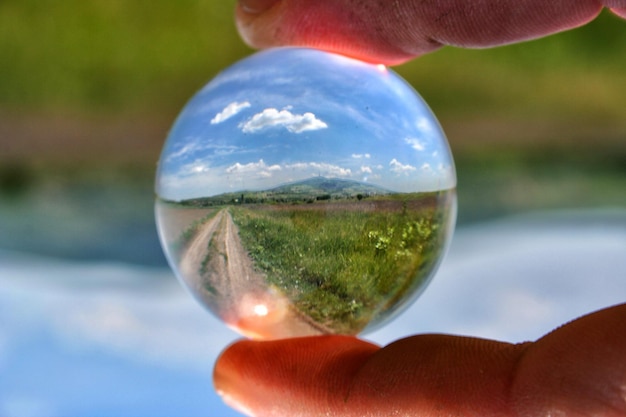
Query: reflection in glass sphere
[[302, 192]]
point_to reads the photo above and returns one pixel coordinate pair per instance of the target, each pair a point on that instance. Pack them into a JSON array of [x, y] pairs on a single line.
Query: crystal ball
[[302, 192]]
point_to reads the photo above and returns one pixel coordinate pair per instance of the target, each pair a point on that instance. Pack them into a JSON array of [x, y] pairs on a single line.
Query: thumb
[[300, 376], [394, 32]]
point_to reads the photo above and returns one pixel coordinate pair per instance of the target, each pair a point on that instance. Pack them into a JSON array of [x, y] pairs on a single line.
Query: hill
[[309, 190], [319, 186]]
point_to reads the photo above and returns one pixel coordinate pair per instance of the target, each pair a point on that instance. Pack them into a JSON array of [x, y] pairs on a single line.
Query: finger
[[345, 377], [290, 377], [579, 369], [394, 32]]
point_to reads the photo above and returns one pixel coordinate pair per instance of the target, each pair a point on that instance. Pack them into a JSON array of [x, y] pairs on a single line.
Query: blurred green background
[[88, 91]]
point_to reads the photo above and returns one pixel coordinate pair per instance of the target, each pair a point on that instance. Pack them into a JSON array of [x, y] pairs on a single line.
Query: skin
[[395, 31], [577, 370]]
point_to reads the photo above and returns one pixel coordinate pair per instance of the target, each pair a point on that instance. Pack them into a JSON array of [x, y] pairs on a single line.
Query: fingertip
[[308, 373], [328, 26]]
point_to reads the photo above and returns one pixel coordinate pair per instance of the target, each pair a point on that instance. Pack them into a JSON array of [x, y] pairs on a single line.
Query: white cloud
[[229, 111], [195, 145], [184, 150], [366, 170], [223, 150], [424, 124], [320, 168], [361, 155], [252, 166], [400, 168], [332, 169], [193, 168], [189, 146], [415, 144], [295, 123], [260, 168]]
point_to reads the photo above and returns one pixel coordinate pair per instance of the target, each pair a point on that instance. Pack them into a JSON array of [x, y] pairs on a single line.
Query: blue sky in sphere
[[290, 114]]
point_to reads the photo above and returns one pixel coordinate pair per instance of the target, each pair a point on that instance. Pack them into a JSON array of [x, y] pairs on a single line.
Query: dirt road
[[220, 272]]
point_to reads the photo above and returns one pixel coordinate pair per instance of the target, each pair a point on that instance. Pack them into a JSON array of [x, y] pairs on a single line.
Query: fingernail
[[256, 6]]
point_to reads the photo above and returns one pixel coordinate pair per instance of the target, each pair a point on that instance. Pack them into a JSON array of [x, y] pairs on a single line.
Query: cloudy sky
[[287, 115], [101, 339]]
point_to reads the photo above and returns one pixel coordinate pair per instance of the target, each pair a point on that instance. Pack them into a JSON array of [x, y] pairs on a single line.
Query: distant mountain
[[311, 189], [316, 186]]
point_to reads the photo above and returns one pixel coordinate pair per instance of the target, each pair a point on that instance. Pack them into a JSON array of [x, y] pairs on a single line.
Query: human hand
[[392, 32], [577, 370]]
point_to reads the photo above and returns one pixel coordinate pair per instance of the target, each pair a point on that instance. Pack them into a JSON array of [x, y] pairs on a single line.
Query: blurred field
[[89, 89]]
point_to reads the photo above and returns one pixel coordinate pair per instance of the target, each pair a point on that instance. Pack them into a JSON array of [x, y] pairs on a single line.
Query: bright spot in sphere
[[260, 310], [381, 68]]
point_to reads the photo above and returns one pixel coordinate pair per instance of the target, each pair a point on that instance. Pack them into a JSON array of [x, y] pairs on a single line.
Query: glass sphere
[[302, 192]]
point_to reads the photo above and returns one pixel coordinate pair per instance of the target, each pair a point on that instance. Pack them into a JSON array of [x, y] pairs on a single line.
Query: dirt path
[[218, 267], [191, 260]]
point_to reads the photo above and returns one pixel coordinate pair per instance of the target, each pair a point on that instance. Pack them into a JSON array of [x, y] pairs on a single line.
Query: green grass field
[[346, 264]]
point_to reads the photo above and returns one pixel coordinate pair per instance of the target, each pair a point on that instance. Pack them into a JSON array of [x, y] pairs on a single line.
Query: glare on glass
[[302, 192]]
